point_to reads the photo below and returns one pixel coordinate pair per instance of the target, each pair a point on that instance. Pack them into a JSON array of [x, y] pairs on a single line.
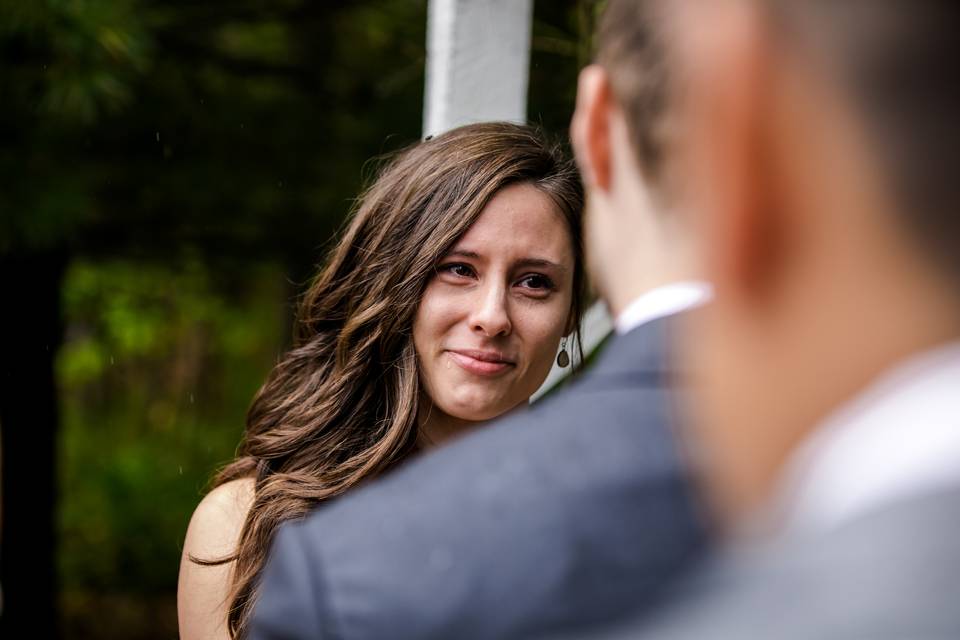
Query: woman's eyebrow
[[463, 254], [541, 263]]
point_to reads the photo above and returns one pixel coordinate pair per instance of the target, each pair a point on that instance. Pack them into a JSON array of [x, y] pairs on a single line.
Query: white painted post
[[478, 61], [478, 57]]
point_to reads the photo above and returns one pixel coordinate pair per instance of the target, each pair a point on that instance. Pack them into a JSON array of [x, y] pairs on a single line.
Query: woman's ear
[[590, 127]]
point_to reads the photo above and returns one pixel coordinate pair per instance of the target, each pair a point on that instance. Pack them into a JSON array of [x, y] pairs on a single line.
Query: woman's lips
[[480, 363]]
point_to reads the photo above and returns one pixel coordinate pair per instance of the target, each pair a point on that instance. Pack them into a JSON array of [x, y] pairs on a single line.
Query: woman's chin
[[481, 411]]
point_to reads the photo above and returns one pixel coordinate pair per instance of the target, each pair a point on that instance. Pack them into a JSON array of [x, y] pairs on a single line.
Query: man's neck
[[651, 267]]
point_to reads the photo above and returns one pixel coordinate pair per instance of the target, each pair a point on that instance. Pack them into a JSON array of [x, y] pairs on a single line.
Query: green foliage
[[81, 56], [158, 367], [235, 126], [561, 44]]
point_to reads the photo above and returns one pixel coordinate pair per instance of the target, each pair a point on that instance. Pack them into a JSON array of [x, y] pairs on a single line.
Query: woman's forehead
[[522, 221]]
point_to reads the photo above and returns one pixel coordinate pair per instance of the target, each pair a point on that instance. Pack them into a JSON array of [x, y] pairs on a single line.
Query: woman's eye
[[536, 282], [458, 269]]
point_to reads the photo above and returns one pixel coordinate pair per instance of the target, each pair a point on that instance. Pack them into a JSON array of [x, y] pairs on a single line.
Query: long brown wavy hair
[[341, 406]]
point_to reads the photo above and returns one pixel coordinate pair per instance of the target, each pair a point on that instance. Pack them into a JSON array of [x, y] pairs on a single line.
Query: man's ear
[[590, 126], [729, 82]]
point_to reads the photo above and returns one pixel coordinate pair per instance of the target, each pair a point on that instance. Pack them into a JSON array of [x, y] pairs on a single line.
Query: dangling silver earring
[[563, 358]]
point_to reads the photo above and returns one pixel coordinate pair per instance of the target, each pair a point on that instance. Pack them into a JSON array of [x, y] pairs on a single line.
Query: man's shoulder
[[893, 572], [582, 436]]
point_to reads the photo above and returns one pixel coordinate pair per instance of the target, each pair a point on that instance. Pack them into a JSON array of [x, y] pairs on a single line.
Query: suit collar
[[899, 437], [661, 302]]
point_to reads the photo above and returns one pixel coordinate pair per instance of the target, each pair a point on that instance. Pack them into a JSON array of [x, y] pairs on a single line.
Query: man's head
[[822, 139], [623, 132]]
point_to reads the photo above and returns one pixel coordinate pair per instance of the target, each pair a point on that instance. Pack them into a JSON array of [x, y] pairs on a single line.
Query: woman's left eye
[[536, 282], [457, 269]]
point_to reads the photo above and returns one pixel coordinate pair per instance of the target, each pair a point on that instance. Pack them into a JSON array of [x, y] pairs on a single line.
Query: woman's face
[[487, 329]]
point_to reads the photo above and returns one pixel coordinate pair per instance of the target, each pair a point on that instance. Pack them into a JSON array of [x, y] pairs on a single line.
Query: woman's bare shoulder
[[218, 519], [213, 533]]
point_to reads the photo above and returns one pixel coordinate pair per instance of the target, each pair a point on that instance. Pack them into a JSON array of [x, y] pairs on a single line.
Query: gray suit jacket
[[565, 514], [890, 574]]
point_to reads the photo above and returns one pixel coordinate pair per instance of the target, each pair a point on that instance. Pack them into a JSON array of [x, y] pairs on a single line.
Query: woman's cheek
[[543, 333]]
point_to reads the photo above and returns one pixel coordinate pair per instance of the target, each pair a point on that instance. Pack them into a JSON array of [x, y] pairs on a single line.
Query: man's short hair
[[894, 61], [630, 48]]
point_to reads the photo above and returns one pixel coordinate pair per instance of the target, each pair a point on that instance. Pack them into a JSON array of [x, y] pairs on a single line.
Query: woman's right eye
[[457, 269]]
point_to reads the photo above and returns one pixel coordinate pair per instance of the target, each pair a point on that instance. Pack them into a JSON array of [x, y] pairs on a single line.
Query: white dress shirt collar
[[898, 439], [662, 301]]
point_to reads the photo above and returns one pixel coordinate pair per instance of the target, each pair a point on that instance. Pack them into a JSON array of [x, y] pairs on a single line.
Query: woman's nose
[[491, 317]]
